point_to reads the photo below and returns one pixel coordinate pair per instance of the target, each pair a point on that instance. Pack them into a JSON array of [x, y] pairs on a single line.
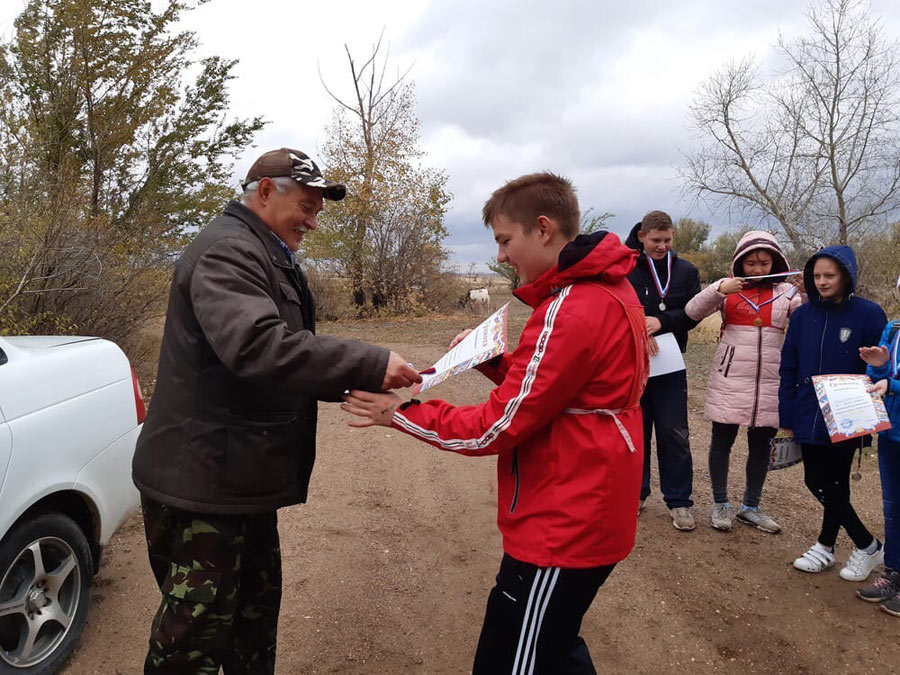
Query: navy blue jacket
[[823, 338], [685, 285], [892, 398]]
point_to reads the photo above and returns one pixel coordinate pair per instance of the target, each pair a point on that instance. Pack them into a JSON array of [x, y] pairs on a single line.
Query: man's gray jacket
[[232, 423]]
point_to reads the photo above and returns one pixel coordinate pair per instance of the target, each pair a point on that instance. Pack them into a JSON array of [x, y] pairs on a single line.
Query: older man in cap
[[230, 434]]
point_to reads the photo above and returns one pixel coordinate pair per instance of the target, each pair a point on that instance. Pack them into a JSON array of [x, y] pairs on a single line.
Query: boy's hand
[[874, 356], [787, 432], [733, 285], [654, 325], [372, 408], [880, 388], [654, 348], [459, 338]]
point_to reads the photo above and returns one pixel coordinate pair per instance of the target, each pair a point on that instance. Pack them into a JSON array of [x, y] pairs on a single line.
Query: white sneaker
[[816, 559], [861, 564]]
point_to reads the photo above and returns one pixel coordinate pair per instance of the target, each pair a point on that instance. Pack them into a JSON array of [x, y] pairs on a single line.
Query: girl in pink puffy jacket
[[743, 381]]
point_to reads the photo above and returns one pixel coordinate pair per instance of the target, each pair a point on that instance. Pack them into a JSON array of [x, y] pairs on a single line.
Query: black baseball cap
[[295, 164]]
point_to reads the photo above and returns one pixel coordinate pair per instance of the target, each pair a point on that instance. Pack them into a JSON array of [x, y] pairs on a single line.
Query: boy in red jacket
[[564, 420]]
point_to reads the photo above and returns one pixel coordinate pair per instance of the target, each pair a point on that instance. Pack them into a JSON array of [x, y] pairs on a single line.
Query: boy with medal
[[664, 284]]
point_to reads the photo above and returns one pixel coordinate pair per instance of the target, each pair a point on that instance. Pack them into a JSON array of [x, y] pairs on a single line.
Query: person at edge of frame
[[884, 370]]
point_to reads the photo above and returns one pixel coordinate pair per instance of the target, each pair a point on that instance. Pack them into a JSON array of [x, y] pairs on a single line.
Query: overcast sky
[[597, 91]]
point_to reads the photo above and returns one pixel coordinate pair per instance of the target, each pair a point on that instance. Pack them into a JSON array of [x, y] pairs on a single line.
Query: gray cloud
[[595, 90]]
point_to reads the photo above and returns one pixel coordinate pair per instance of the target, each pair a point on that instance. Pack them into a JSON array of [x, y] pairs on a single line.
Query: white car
[[70, 412]]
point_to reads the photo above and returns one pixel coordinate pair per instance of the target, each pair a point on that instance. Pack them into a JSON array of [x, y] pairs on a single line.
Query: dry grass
[[707, 333]]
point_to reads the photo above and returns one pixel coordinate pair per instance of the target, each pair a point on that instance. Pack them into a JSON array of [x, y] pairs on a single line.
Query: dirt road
[[388, 566]]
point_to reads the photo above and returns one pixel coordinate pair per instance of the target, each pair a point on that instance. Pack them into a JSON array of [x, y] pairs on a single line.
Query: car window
[[3, 357]]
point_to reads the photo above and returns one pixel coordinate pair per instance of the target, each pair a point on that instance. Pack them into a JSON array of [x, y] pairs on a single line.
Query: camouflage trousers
[[220, 579]]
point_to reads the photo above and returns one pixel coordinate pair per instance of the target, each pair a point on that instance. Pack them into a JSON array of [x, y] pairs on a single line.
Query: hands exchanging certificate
[[485, 342], [848, 407]]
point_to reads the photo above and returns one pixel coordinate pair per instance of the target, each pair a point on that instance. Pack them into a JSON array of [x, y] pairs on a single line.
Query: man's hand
[[459, 338], [399, 373], [880, 388], [733, 285], [653, 325], [874, 356], [654, 348], [372, 408]]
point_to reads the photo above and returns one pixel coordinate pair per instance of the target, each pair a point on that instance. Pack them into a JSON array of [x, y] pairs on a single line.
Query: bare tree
[[815, 147], [386, 236]]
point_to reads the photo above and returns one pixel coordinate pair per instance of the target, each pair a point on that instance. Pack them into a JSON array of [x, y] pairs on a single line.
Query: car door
[[5, 435]]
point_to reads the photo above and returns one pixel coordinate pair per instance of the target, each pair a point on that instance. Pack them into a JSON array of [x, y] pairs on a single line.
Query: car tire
[[45, 584]]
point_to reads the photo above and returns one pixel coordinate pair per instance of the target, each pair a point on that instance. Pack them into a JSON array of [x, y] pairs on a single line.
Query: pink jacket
[[743, 380]]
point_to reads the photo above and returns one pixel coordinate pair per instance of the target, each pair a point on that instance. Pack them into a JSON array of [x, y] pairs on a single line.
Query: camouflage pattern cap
[[297, 165]]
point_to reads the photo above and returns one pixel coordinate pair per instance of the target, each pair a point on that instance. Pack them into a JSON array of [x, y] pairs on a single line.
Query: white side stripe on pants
[[541, 590]]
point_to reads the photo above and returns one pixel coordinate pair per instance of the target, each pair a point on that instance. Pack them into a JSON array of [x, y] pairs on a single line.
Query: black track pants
[[533, 618]]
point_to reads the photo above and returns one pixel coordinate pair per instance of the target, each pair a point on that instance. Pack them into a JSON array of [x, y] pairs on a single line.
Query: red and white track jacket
[[565, 418]]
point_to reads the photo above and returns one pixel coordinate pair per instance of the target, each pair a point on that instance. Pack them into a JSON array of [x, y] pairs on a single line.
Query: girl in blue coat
[[824, 337], [884, 369]]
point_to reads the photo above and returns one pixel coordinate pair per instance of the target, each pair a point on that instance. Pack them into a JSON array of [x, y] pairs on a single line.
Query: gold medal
[[757, 322]]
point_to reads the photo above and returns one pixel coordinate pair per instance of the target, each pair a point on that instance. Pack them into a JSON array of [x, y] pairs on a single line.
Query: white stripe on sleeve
[[512, 407]]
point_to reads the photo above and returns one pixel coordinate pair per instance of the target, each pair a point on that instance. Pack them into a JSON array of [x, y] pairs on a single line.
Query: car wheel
[[45, 583]]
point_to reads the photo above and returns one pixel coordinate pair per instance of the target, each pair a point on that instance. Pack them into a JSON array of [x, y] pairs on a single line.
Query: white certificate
[[848, 408], [669, 359], [483, 343]]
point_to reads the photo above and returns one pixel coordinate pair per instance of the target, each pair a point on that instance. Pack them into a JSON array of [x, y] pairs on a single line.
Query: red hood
[[600, 255]]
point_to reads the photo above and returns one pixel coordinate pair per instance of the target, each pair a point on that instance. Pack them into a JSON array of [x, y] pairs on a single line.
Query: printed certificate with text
[[485, 342], [848, 408]]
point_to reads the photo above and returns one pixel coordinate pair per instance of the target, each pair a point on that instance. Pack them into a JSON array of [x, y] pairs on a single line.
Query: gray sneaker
[[892, 605], [753, 516], [682, 518], [722, 516], [887, 585]]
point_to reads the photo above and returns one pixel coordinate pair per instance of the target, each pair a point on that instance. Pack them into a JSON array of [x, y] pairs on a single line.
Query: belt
[[609, 413]]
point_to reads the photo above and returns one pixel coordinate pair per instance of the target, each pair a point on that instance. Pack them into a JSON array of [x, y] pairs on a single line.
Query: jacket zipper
[[514, 470], [730, 359], [758, 376], [724, 356], [821, 356]]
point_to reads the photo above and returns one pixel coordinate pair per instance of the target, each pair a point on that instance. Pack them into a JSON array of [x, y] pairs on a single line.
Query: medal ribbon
[[760, 305], [659, 287]]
